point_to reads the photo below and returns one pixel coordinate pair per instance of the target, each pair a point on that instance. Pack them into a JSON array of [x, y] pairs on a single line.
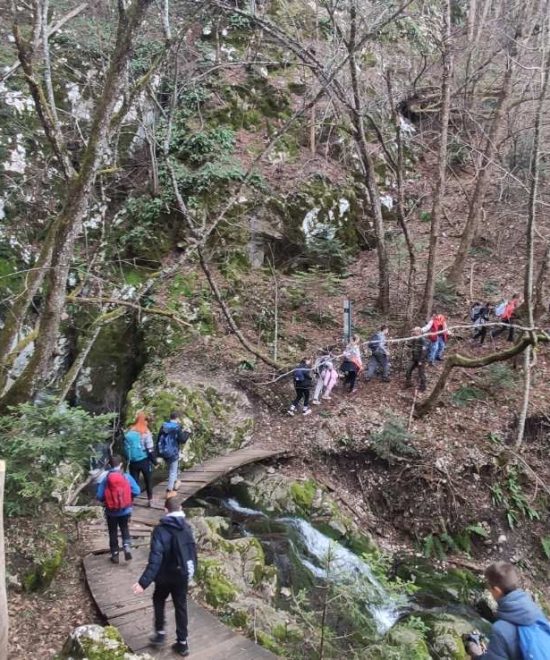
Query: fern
[[545, 543]]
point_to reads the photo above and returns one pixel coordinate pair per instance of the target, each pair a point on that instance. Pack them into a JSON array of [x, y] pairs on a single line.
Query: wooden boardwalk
[[110, 584]]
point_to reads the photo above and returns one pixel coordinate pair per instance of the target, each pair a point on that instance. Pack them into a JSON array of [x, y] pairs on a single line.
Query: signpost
[[348, 328]]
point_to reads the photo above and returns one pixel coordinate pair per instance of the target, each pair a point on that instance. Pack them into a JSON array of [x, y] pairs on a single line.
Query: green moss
[[302, 494], [269, 642], [46, 566], [105, 651], [238, 619], [218, 590]]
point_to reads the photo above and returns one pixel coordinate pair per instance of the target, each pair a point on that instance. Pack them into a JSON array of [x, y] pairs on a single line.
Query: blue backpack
[[167, 445], [534, 641], [133, 447]]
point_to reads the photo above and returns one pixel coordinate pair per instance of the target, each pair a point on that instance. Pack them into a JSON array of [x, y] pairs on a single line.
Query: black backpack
[[182, 550]]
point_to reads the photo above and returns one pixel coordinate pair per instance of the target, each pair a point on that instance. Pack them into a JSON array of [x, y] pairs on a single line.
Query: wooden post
[[3, 595]]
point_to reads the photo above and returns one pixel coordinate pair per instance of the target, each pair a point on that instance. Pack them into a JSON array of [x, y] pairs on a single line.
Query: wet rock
[[94, 642]]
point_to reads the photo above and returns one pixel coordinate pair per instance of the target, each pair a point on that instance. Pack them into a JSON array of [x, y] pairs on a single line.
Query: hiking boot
[[149, 503], [115, 558], [181, 648], [326, 398], [306, 411], [157, 639], [315, 402], [127, 553], [386, 380], [291, 411]]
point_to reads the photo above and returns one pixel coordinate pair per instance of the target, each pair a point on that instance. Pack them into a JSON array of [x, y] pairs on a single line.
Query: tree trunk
[[367, 161], [456, 274], [69, 223], [437, 208], [4, 624], [539, 307]]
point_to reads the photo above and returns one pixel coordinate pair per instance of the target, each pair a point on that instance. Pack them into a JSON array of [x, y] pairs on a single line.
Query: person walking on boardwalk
[[419, 353], [171, 437], [327, 376], [352, 363], [379, 361], [138, 447], [116, 491], [302, 384], [438, 336], [171, 566]]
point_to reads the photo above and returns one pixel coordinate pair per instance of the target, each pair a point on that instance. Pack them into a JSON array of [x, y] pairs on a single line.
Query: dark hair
[[172, 504], [503, 575], [384, 326], [174, 414], [116, 461], [516, 295]]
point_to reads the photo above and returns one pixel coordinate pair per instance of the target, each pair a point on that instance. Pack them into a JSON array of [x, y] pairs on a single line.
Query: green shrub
[[393, 441], [46, 448], [466, 394]]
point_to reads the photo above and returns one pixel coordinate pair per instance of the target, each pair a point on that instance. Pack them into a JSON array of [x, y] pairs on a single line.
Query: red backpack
[[118, 494]]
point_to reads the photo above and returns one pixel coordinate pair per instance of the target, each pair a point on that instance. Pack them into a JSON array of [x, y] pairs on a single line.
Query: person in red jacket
[[508, 317], [438, 336]]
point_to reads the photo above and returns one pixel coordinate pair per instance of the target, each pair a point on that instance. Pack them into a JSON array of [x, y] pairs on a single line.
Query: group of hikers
[[172, 558], [426, 347]]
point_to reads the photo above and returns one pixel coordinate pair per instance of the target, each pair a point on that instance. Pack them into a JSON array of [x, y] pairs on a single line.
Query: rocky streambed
[[282, 562]]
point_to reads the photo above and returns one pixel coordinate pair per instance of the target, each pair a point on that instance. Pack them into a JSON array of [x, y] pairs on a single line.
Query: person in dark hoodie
[[171, 566], [171, 437], [515, 608], [302, 383]]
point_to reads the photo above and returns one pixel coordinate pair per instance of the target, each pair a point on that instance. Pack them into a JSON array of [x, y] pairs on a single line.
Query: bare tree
[[439, 193]]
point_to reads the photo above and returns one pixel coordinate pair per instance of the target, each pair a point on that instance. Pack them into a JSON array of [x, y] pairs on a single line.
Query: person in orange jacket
[[438, 336]]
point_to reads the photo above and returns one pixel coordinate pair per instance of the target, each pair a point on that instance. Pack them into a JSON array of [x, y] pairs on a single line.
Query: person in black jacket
[[419, 354], [172, 563], [302, 382]]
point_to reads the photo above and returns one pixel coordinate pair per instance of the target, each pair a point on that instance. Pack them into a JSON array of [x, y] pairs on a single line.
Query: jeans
[[173, 470], [178, 591], [301, 392], [114, 523], [416, 364], [143, 467], [378, 362], [437, 349]]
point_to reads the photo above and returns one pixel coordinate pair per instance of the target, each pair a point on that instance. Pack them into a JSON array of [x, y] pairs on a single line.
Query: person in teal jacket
[[116, 491]]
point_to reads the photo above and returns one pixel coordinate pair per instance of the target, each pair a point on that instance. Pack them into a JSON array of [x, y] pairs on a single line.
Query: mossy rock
[[46, 566], [216, 586], [303, 494], [94, 642], [410, 642]]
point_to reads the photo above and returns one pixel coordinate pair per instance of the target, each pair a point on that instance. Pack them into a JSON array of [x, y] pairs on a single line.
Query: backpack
[[167, 445], [501, 308], [182, 551], [118, 494], [374, 343], [133, 447], [534, 641], [475, 311]]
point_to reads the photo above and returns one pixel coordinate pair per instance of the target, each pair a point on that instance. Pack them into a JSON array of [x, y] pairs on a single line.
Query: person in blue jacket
[[172, 564], [116, 491], [515, 608]]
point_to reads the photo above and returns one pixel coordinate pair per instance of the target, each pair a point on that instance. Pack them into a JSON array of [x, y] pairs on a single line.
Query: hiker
[[327, 377], [138, 447], [506, 312], [352, 363], [116, 491], [479, 316], [170, 438], [171, 566], [521, 629], [438, 336], [419, 354], [379, 361], [302, 384]]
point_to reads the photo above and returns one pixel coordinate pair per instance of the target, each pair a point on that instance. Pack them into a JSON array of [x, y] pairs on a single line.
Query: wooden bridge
[[110, 584]]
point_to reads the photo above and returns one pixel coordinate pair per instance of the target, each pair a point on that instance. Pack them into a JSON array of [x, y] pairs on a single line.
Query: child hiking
[[506, 313], [439, 336], [479, 316], [302, 385], [170, 438], [352, 363], [419, 353], [327, 376], [138, 447], [117, 491]]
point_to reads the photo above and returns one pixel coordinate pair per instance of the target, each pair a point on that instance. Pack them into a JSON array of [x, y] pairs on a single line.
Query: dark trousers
[[301, 392], [502, 328], [114, 523], [178, 591], [378, 363], [421, 368], [143, 467], [349, 380], [480, 334]]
